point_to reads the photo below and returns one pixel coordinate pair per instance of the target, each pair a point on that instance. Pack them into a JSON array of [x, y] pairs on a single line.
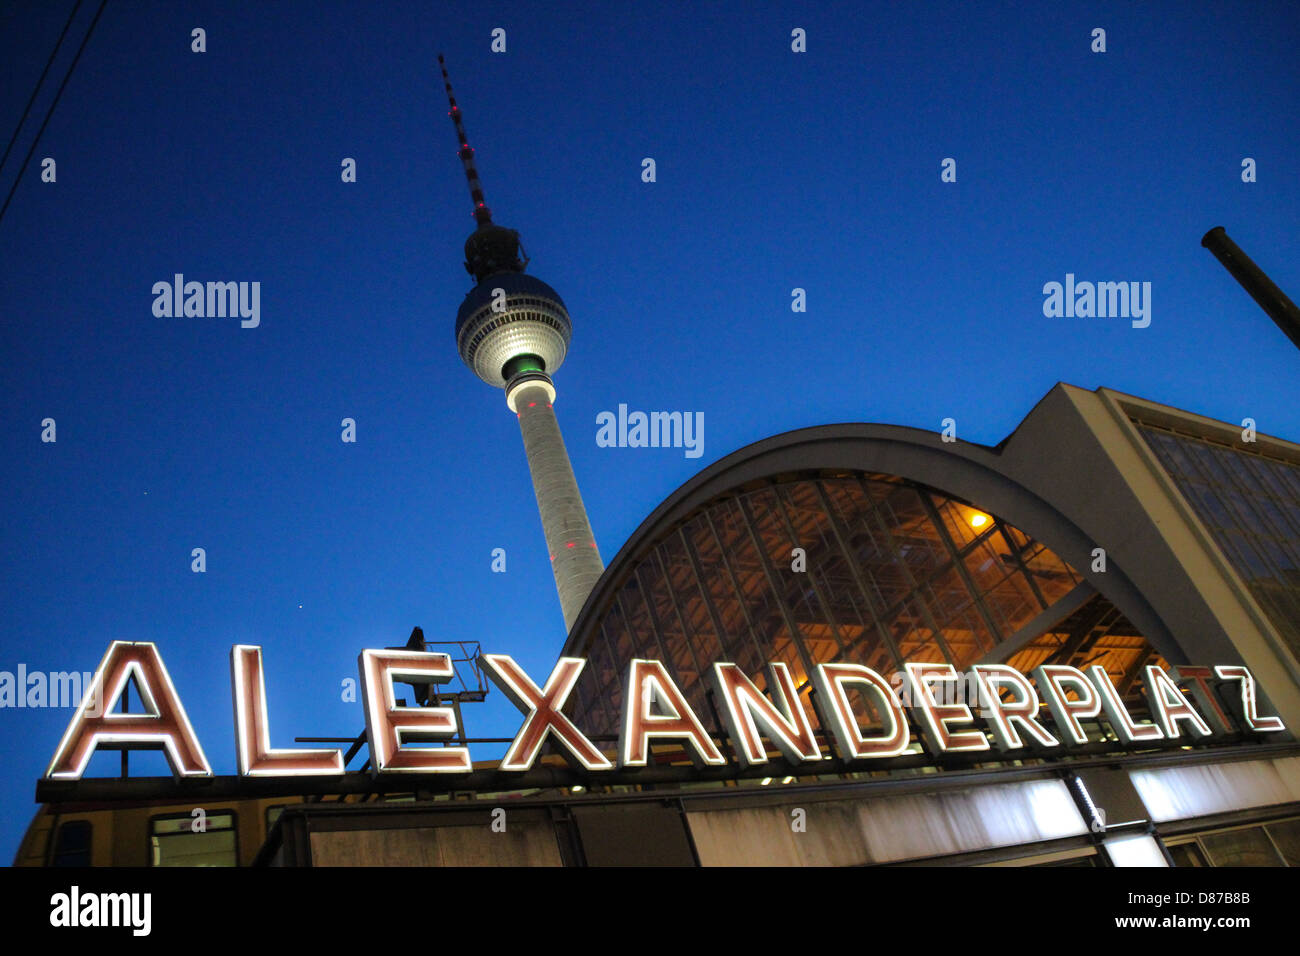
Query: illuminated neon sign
[[1009, 711]]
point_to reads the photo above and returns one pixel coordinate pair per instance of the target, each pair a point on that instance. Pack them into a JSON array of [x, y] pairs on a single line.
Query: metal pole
[[1252, 278]]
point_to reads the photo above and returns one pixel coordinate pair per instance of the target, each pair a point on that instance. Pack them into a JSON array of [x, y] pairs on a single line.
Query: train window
[[72, 844], [185, 841]]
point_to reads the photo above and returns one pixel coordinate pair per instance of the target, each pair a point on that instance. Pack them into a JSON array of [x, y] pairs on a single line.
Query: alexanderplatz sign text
[[1009, 710]]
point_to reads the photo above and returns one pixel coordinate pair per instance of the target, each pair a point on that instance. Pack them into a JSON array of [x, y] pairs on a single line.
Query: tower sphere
[[532, 321]]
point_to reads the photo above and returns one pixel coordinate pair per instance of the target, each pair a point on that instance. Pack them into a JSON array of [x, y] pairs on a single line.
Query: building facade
[[1106, 532]]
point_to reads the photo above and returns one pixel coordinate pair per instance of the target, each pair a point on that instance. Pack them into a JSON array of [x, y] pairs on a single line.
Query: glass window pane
[[892, 571], [1187, 854], [1248, 847], [1251, 506], [1287, 837]]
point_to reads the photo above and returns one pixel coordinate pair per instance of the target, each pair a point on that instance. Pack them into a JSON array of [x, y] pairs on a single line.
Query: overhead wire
[[50, 112], [39, 83]]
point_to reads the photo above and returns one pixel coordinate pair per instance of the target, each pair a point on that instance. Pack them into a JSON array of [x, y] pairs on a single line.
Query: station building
[[1105, 530]]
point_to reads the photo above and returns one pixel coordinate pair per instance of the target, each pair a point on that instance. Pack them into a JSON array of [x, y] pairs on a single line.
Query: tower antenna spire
[[482, 214], [492, 248]]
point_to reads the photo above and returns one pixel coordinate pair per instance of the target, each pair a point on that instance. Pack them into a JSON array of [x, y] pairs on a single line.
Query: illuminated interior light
[[765, 781], [978, 520], [1096, 819], [788, 780]]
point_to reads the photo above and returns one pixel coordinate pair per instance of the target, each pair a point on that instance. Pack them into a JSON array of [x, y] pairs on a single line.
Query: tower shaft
[[575, 560]]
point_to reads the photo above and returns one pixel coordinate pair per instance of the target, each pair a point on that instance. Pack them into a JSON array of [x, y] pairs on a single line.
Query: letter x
[[542, 709]]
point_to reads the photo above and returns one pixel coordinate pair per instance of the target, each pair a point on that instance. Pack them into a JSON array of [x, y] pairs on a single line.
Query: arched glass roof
[[843, 566]]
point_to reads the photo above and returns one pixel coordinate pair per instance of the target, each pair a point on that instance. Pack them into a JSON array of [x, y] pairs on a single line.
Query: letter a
[[165, 726], [648, 684]]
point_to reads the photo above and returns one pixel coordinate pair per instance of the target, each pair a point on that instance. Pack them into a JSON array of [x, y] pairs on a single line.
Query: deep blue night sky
[[775, 170]]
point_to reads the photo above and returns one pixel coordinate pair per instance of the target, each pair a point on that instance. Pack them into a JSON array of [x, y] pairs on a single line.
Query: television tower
[[513, 331]]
